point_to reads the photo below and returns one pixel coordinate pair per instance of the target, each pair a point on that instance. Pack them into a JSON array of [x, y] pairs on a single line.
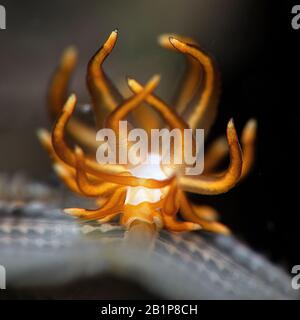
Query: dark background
[[257, 52]]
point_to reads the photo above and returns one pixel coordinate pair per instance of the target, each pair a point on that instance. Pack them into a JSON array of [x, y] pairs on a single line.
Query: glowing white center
[[149, 170]]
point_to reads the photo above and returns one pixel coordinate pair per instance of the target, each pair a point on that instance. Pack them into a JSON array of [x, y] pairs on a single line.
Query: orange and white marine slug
[[141, 194]]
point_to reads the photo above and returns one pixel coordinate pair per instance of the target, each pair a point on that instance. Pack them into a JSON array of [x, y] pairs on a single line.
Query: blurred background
[[247, 40]]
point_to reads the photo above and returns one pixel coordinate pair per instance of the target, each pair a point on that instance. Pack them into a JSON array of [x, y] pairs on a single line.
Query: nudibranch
[[144, 194]]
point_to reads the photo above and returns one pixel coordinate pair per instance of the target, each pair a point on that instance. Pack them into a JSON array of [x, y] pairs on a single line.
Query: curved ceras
[[109, 183]]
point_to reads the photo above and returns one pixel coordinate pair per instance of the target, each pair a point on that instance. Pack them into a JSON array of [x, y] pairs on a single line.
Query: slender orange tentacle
[[62, 149], [113, 119], [201, 211], [189, 214], [83, 135], [169, 115], [169, 210], [224, 182], [192, 76], [203, 114], [63, 171], [206, 212], [101, 89], [68, 178], [144, 116], [57, 96], [171, 224], [113, 206], [219, 149], [171, 204], [108, 218], [87, 187], [248, 145], [101, 201], [147, 118], [58, 88], [215, 154], [44, 137]]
